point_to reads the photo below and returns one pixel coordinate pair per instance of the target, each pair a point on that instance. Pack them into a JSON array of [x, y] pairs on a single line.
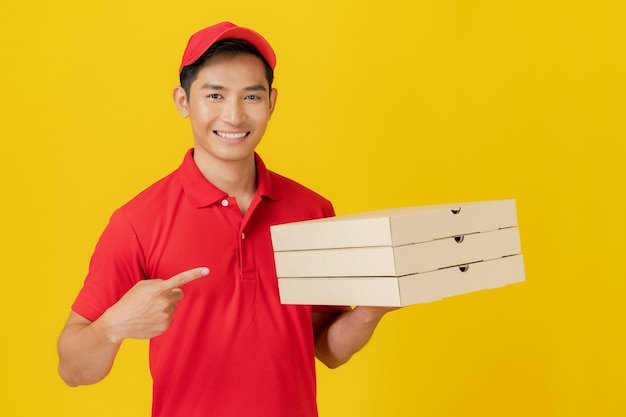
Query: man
[[229, 348]]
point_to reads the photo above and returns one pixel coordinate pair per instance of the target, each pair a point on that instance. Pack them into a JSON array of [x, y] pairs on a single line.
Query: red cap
[[202, 40]]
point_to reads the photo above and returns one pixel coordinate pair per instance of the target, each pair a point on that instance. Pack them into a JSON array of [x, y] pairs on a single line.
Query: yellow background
[[381, 104]]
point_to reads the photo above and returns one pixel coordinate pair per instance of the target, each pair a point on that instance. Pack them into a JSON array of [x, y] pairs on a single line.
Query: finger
[[171, 308], [175, 294], [184, 277]]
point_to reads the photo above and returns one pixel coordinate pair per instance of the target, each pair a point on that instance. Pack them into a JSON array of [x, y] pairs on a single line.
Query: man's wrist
[[107, 330]]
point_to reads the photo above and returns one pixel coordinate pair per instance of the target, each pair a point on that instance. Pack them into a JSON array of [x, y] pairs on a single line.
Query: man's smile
[[227, 135]]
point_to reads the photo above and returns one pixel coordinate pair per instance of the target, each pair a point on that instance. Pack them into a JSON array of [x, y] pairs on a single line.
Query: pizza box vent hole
[[464, 268], [456, 211]]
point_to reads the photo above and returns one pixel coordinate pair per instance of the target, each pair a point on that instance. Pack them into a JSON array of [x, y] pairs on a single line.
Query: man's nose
[[233, 112]]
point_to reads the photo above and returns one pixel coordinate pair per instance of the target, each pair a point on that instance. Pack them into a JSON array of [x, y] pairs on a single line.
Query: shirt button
[[225, 203], [243, 236]]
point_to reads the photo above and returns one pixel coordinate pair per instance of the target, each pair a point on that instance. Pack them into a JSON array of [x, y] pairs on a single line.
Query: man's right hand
[[146, 310]]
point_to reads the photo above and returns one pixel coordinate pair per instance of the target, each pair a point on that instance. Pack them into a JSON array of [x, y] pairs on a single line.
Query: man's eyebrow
[[210, 86], [253, 87], [256, 87]]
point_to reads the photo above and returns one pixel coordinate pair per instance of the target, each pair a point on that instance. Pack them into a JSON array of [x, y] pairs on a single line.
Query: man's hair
[[226, 46]]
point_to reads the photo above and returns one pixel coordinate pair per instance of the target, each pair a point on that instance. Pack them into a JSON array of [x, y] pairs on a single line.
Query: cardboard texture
[[399, 260], [403, 291], [399, 256], [396, 226]]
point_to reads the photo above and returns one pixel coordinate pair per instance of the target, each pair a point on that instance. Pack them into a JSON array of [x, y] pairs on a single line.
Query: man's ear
[[181, 102], [273, 97]]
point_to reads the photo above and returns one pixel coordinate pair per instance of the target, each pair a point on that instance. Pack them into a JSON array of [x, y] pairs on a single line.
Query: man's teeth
[[226, 135]]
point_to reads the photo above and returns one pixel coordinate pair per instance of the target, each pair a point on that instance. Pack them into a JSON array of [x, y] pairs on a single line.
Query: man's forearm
[[347, 334], [86, 355]]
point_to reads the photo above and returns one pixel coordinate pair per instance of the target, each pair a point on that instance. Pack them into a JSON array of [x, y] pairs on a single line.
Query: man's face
[[229, 106]]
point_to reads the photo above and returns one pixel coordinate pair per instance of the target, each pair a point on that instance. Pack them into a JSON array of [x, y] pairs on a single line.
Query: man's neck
[[236, 178]]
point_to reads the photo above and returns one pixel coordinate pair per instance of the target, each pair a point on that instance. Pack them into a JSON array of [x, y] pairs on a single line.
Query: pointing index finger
[[185, 277]]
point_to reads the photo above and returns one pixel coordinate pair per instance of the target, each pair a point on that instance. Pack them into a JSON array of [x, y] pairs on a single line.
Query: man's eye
[[252, 97], [213, 96]]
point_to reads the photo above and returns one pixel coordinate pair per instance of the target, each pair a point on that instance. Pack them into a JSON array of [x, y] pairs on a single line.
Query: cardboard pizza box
[[403, 291], [398, 260], [395, 227]]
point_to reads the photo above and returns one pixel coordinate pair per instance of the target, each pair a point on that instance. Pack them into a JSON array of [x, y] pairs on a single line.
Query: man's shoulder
[[288, 187], [156, 194], [297, 201]]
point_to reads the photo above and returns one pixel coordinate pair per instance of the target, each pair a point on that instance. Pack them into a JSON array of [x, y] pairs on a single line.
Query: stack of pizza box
[[399, 256]]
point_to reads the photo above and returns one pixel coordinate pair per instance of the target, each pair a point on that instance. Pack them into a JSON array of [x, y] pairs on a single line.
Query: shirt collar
[[202, 193]]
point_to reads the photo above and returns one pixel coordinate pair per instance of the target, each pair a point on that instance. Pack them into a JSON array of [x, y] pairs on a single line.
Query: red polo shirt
[[232, 350]]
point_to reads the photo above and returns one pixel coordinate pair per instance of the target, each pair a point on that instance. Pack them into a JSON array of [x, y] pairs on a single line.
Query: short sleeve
[[116, 265]]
